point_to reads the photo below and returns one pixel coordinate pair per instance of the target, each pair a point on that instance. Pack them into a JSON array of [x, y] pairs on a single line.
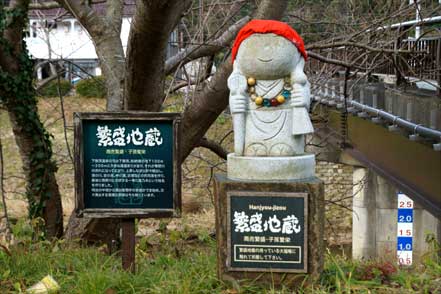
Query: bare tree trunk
[[111, 55], [93, 230], [151, 27], [205, 107], [17, 95], [105, 33], [52, 210]]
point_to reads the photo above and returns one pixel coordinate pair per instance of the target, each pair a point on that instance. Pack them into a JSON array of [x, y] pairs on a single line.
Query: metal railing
[[424, 62], [329, 96]]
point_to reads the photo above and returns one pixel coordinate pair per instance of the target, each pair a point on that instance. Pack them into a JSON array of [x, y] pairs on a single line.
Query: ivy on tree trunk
[[18, 97]]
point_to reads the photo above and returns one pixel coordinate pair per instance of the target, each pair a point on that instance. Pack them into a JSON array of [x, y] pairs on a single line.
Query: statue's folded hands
[[237, 84], [238, 104], [297, 98]]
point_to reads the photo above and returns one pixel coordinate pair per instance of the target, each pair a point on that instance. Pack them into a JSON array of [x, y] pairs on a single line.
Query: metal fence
[[422, 61]]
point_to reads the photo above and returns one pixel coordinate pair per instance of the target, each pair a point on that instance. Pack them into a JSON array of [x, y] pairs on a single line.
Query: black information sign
[[267, 232], [127, 164]]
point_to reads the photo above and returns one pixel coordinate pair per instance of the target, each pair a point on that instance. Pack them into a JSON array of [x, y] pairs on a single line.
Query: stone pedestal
[[267, 168], [311, 189]]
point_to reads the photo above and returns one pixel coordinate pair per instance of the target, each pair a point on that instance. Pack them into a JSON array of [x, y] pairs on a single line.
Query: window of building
[[34, 29], [49, 25], [78, 28], [66, 26]]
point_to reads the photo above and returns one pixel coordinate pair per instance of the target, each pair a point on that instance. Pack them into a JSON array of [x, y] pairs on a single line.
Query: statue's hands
[[300, 93], [300, 106], [300, 96], [237, 83], [238, 104]]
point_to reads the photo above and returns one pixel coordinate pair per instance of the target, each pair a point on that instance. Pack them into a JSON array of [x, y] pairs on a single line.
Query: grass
[[176, 265], [88, 270], [380, 276], [178, 261]]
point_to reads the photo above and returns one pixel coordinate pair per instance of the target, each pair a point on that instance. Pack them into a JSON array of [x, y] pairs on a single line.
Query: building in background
[[55, 35]]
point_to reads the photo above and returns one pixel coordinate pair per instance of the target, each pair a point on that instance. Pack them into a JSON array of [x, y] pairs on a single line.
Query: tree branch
[[271, 9], [332, 61], [85, 14], [190, 82], [357, 45], [53, 5], [213, 146], [197, 51], [40, 85], [44, 5]]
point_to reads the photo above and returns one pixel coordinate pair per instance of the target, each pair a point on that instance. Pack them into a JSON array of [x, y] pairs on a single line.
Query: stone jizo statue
[[269, 92]]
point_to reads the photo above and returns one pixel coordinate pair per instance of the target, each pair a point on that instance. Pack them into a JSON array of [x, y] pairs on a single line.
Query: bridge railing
[[371, 107]]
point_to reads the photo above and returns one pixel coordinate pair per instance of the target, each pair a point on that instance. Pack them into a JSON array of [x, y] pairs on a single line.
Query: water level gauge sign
[[404, 230]]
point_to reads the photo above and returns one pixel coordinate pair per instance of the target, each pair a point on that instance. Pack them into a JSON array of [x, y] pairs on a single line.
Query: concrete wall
[[338, 194], [420, 107], [416, 105]]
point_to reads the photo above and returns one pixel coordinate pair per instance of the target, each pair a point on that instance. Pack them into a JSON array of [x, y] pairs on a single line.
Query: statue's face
[[267, 56]]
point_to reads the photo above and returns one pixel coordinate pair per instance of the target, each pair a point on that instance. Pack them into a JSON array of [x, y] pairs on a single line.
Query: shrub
[[51, 89], [93, 87]]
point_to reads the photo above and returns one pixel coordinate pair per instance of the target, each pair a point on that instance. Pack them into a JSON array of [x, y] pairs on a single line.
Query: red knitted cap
[[260, 26]]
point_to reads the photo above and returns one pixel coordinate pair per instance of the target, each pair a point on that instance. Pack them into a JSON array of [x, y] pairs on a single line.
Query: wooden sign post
[[127, 166]]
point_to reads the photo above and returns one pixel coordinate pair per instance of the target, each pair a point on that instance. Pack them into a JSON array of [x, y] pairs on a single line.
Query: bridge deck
[[414, 167]]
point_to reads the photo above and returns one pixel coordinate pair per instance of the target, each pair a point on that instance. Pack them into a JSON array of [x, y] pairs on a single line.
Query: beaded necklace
[[269, 102]]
